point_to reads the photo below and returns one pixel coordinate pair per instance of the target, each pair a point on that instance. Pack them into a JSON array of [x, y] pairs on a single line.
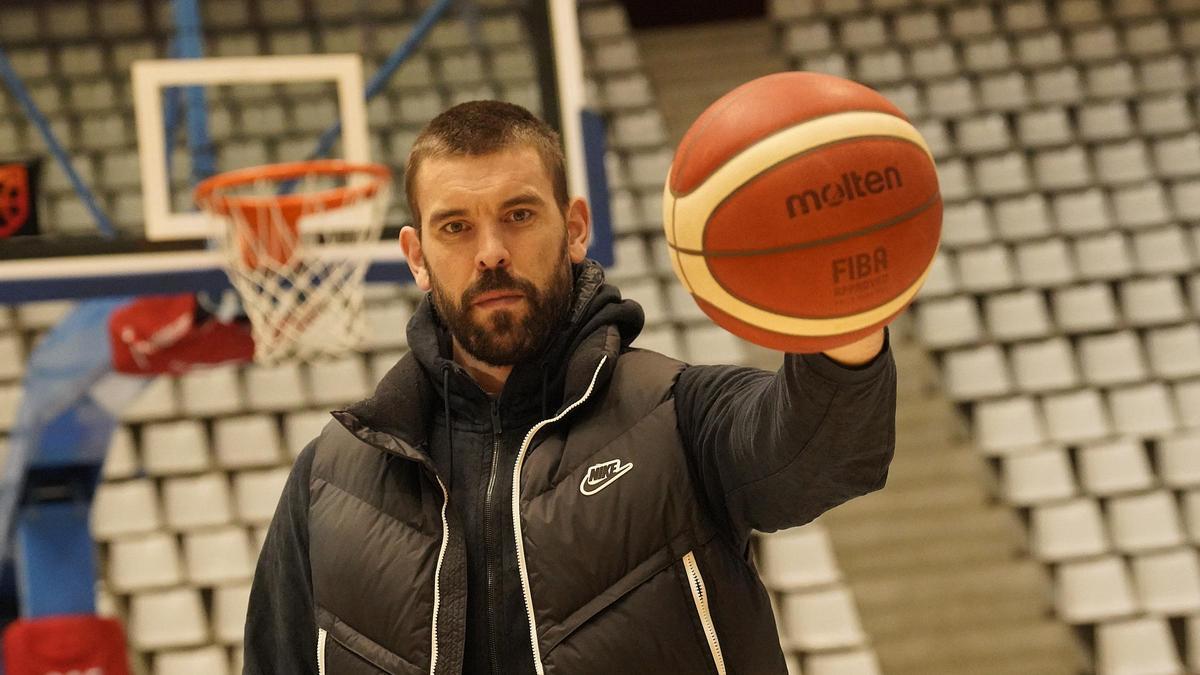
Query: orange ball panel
[[760, 108], [836, 279], [828, 192]]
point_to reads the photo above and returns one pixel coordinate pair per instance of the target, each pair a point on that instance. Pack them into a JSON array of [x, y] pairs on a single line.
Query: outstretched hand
[[859, 352]]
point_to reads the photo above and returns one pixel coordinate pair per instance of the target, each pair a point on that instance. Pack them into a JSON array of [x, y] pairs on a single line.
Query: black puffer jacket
[[394, 548]]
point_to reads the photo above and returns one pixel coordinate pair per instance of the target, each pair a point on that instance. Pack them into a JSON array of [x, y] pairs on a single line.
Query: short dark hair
[[480, 128]]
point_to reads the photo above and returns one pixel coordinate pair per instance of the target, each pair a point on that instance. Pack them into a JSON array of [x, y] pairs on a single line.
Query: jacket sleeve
[[281, 629], [777, 450]]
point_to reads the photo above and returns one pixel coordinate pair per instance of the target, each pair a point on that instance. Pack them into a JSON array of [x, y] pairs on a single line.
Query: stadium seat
[[121, 460], [1114, 79], [1115, 467], [1095, 43], [948, 322], [216, 557], [1122, 163], [229, 612], [1187, 402], [823, 619], [139, 563], [1168, 582], [1060, 85], [1044, 127], [1045, 365], [1007, 91], [662, 339], [276, 388], [1023, 217], [808, 37], [972, 21], [1065, 168], [380, 364], [210, 660], [1163, 115], [941, 279], [863, 32], [1178, 156], [197, 501], [797, 558], [917, 26], [1067, 530], [257, 492], [1037, 476], [1179, 459], [1040, 49], [953, 97], [1045, 263], [1025, 15], [246, 441], [125, 508], [882, 66], [986, 269], [167, 619], [1136, 646], [1141, 205], [1112, 358], [1143, 409], [1103, 256], [1105, 121], [683, 307], [210, 391], [68, 20], [1162, 250], [1004, 174], [1094, 590], [175, 447], [976, 372], [1075, 416], [1152, 301], [966, 224], [301, 427], [1144, 522], [1166, 73], [988, 54], [1006, 424]]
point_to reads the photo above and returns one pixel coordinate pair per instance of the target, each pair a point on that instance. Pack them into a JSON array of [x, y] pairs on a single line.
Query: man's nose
[[493, 251]]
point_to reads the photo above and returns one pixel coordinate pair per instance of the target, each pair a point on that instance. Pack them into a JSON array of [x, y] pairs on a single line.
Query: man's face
[[496, 251]]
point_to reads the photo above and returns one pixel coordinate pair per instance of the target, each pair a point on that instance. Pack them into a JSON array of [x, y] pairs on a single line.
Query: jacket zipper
[[516, 515], [700, 597], [321, 635], [492, 543], [437, 577]]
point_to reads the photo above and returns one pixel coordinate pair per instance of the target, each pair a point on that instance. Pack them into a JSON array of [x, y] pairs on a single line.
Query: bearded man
[[529, 492]]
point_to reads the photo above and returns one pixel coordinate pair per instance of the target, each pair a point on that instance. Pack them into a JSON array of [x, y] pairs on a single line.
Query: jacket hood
[[599, 323]]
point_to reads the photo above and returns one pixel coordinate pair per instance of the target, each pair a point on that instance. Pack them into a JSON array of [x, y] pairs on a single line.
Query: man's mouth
[[493, 299]]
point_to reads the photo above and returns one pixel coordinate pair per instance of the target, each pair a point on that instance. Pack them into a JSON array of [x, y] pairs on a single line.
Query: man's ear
[[410, 243], [579, 229]]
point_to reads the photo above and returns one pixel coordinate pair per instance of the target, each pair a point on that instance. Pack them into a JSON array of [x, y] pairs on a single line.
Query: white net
[[295, 244]]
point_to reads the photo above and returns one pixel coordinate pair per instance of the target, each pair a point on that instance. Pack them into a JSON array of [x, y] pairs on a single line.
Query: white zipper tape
[[700, 597]]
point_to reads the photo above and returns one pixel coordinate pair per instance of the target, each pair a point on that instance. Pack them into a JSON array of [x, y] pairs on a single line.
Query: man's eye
[[454, 227], [521, 215]]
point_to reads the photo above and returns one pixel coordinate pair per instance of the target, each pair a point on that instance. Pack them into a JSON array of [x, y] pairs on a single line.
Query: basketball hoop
[[293, 237]]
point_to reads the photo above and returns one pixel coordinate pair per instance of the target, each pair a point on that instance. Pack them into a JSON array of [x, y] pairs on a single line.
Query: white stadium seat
[[1016, 315], [1006, 424], [278, 387], [210, 660], [1103, 256], [175, 447], [257, 492], [167, 619], [210, 391], [1075, 416], [246, 441], [823, 619], [1094, 590], [1152, 301], [1115, 467], [1044, 365], [121, 460], [197, 501], [1144, 522], [1085, 307], [230, 603], [216, 557], [797, 558], [125, 508], [1168, 582], [1037, 476], [1136, 646], [843, 662], [1067, 530], [976, 372], [139, 563], [1143, 409], [1112, 358], [1179, 459]]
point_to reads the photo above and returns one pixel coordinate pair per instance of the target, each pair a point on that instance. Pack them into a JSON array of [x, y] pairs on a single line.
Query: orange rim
[[208, 193]]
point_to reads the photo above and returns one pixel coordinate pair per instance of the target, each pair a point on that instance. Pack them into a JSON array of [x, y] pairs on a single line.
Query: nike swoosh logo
[[590, 487]]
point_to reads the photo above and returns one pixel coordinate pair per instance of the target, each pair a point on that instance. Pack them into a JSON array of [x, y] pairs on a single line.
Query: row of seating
[[1150, 302], [1150, 409], [1102, 468], [1093, 210], [188, 503], [79, 21], [1132, 524], [916, 21]]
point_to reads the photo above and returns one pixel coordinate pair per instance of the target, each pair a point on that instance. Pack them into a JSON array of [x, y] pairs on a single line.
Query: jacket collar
[[403, 406]]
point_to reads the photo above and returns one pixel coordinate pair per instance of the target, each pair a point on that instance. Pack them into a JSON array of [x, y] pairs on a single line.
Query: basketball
[[802, 211]]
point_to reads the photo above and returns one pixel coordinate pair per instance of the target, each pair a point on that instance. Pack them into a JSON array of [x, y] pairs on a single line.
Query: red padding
[[160, 335], [65, 644]]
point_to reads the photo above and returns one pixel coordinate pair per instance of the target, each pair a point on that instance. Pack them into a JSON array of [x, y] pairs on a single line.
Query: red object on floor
[[90, 645], [161, 335]]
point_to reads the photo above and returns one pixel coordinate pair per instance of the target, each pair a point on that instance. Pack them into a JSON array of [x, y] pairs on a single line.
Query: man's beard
[[500, 339]]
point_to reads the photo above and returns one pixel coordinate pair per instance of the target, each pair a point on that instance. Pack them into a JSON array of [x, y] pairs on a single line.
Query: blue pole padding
[[379, 80], [56, 149], [189, 44], [594, 147], [56, 560]]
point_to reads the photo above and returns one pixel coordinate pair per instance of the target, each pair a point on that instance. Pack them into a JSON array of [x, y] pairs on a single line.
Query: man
[[526, 492]]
